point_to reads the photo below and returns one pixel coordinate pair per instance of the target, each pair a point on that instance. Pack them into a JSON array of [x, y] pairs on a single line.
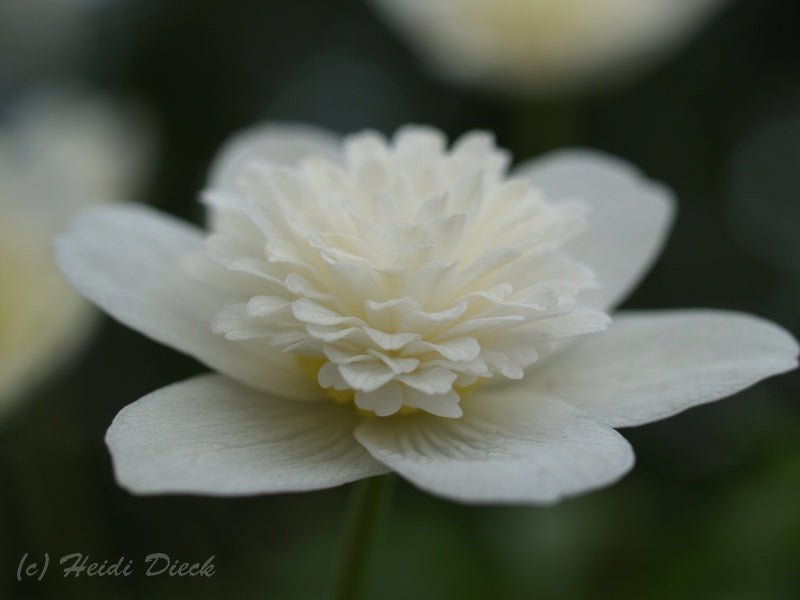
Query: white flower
[[378, 306], [544, 46], [60, 150]]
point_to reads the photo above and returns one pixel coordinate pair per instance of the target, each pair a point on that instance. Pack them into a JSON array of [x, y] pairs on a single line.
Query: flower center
[[401, 273]]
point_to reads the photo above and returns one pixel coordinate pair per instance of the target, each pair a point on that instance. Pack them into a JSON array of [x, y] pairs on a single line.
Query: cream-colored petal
[[649, 366], [210, 435], [509, 447], [276, 143], [628, 223], [126, 259]]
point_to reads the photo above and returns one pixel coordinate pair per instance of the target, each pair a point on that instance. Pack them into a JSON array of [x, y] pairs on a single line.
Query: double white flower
[[375, 306]]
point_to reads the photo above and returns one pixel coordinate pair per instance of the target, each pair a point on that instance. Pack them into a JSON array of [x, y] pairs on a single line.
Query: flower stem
[[369, 500]]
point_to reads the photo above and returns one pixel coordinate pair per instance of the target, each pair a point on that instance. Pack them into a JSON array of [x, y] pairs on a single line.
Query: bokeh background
[[712, 509]]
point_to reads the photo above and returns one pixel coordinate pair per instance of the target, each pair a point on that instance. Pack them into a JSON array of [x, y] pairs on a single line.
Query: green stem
[[368, 501]]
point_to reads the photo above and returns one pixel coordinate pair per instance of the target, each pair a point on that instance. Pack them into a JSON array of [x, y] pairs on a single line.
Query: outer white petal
[[629, 220], [126, 260], [649, 366], [278, 143], [510, 447], [210, 435]]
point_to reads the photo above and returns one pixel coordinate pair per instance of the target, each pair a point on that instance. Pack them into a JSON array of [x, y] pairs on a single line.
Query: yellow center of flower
[[312, 365]]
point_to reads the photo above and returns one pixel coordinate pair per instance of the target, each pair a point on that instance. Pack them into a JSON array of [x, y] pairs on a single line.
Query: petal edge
[[651, 365], [512, 448], [209, 435], [630, 218]]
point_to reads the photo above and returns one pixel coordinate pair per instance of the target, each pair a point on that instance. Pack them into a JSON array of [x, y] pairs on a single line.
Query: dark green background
[[712, 509]]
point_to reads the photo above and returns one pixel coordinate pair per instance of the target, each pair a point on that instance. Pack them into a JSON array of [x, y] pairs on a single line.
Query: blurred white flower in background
[[545, 46], [60, 150], [377, 305]]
